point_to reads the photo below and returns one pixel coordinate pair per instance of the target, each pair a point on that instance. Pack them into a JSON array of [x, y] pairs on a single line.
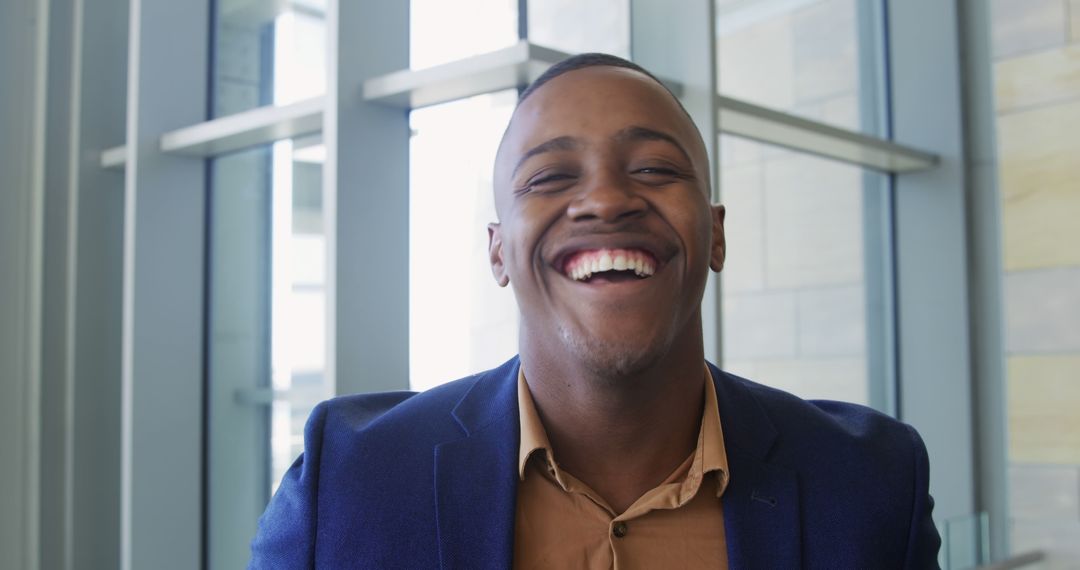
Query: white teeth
[[622, 260], [605, 261]]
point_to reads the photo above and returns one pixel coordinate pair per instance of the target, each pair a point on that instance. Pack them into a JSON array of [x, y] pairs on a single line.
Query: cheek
[[691, 220], [522, 244]]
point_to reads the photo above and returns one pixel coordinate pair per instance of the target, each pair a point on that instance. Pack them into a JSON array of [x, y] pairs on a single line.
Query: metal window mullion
[[162, 329], [366, 200], [100, 103], [932, 308], [877, 214], [985, 280]]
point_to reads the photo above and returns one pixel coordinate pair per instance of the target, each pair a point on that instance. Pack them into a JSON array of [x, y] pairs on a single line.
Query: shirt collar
[[714, 454], [533, 435], [711, 435]]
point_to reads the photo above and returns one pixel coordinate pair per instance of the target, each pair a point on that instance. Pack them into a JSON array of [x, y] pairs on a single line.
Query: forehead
[[596, 102]]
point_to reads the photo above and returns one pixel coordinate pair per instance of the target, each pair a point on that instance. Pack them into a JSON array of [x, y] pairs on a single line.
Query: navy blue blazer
[[429, 480]]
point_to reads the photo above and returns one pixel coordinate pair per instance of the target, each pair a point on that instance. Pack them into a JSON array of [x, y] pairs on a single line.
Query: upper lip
[[660, 251]]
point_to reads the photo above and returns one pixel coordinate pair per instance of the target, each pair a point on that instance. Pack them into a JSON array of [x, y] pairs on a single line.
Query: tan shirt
[[562, 523]]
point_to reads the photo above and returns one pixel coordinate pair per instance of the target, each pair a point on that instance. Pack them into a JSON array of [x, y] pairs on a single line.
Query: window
[[805, 295], [460, 321], [796, 304], [817, 59]]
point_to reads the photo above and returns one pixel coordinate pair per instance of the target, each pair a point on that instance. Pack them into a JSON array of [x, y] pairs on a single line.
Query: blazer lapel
[[476, 476], [761, 503]]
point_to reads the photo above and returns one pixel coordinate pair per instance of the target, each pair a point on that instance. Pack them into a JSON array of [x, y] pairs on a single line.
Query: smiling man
[[609, 442]]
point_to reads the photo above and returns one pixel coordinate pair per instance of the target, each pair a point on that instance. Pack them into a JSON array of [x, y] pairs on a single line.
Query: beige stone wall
[[1037, 76]]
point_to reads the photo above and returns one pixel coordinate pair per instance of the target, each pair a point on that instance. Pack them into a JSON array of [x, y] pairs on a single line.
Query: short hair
[[584, 60]]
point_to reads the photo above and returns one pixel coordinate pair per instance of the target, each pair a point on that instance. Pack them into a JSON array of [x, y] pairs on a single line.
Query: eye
[[550, 178], [658, 170], [548, 182], [657, 174]]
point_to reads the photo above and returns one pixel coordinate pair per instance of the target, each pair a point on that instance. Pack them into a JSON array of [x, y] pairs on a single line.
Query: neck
[[622, 436]]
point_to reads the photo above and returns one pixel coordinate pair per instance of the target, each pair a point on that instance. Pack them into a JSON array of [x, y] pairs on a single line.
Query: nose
[[607, 197]]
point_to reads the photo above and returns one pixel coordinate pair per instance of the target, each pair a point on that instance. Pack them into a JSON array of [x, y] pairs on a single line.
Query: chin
[[615, 357]]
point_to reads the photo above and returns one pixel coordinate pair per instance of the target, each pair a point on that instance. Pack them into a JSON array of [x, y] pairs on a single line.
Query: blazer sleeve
[[286, 535], [923, 539]]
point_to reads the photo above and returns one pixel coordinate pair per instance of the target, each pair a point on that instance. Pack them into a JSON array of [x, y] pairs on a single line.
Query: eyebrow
[[557, 143], [635, 133]]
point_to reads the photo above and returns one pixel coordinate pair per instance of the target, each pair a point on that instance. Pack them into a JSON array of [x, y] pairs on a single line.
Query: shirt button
[[619, 530]]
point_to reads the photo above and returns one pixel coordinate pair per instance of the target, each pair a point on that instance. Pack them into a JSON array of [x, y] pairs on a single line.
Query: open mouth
[[609, 265]]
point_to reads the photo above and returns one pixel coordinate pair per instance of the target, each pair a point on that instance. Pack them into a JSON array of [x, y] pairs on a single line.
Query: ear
[[498, 268], [719, 242]]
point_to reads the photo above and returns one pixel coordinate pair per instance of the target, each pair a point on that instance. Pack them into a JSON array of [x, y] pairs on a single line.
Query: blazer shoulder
[[864, 474], [387, 412], [826, 419], [356, 411]]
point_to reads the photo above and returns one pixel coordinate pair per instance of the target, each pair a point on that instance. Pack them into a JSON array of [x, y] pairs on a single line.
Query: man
[[609, 442]]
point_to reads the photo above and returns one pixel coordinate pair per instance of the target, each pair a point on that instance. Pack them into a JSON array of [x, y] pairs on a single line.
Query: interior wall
[[1036, 47]]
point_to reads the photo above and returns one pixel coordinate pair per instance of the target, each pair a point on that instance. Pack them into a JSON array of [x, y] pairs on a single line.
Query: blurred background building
[[216, 213]]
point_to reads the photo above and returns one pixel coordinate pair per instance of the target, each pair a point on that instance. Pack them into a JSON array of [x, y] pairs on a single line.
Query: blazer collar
[[476, 475], [761, 504], [492, 396]]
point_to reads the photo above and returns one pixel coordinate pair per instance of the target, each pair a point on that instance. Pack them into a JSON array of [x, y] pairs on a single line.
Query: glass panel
[[1037, 60], [267, 52], [598, 25], [266, 271], [460, 321], [267, 322], [298, 297], [441, 31], [238, 268], [798, 305], [965, 541], [818, 59]]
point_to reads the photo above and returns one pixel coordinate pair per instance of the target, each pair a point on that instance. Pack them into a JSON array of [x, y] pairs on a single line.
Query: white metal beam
[[246, 129], [751, 121], [114, 158], [507, 68]]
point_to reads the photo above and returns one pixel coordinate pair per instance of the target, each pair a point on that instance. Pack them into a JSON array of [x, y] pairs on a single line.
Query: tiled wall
[[1037, 73]]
